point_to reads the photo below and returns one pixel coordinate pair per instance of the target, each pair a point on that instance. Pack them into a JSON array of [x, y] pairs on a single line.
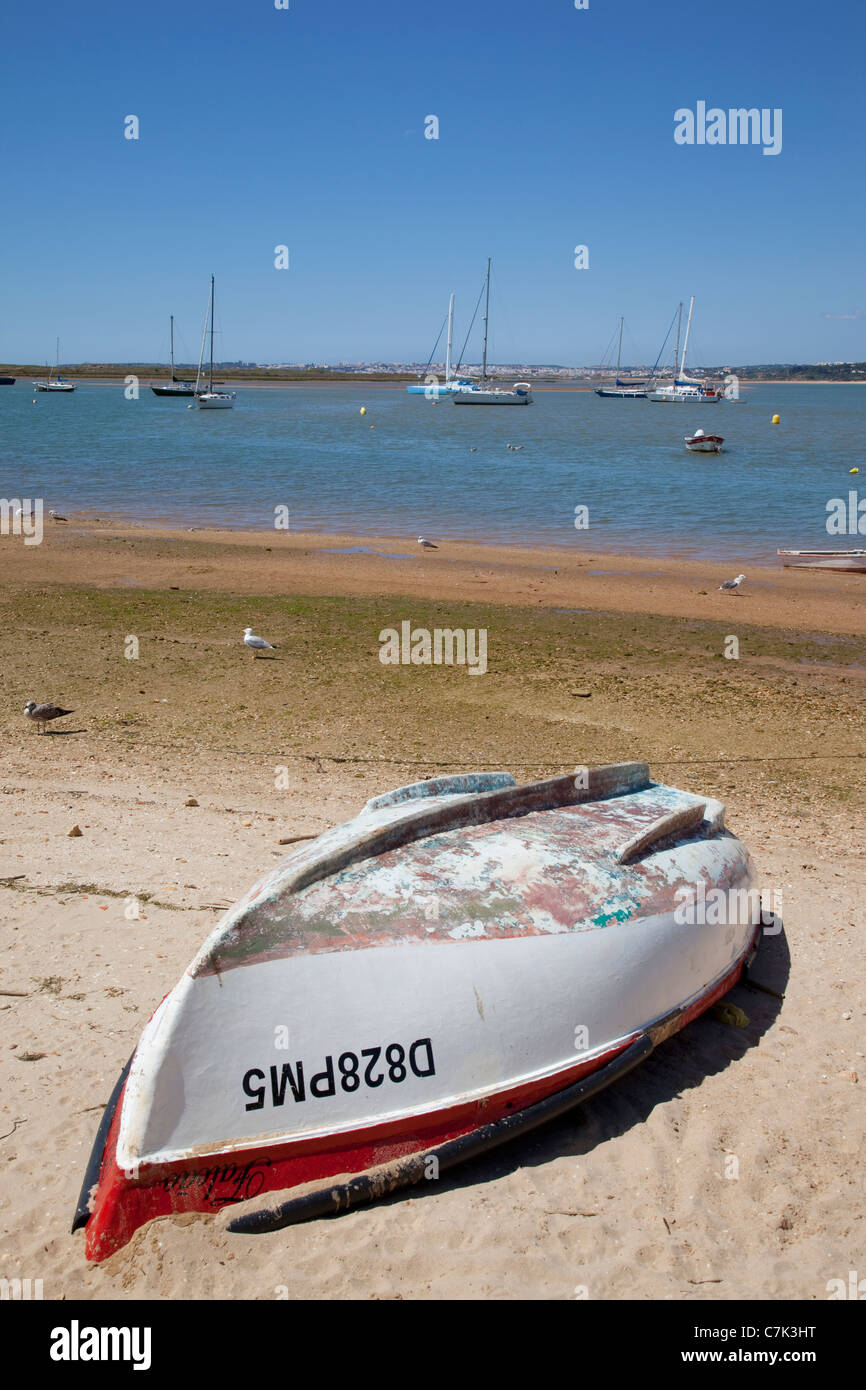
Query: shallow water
[[309, 449]]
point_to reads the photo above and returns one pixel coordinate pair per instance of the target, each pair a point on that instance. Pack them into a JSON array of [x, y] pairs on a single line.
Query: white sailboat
[[433, 389], [53, 382], [211, 399], [683, 389], [520, 394]]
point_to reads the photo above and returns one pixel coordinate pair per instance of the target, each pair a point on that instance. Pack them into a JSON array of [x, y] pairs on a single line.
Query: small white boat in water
[[851, 560], [53, 382], [700, 443], [211, 399], [464, 960], [521, 394]]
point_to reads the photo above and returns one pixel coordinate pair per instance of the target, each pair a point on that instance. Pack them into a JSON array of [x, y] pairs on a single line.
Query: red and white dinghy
[[462, 961]]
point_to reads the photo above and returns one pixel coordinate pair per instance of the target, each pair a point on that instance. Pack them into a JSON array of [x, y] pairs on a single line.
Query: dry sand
[[628, 1197]]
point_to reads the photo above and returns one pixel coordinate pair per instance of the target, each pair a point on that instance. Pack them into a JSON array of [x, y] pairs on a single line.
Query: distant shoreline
[[24, 374]]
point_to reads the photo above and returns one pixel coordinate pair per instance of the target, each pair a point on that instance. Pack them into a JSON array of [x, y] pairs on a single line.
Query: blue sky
[[305, 127]]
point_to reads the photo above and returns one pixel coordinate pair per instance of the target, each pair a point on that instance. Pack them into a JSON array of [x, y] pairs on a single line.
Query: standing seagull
[[426, 545], [256, 644], [733, 583], [57, 517], [42, 714]]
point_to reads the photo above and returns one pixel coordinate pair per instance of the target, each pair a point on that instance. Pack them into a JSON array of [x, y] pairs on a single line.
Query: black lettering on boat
[[368, 1066], [431, 1069], [348, 1067], [258, 1091], [374, 1053], [278, 1092], [328, 1073]]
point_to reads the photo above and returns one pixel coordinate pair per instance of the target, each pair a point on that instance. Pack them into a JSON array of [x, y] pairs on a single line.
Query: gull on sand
[[256, 644], [43, 714], [427, 545], [733, 583]]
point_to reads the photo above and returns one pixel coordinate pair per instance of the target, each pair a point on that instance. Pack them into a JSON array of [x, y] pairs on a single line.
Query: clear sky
[[305, 127]]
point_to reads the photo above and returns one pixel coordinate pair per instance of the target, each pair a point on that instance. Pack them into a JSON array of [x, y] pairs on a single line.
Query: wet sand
[[633, 1196]]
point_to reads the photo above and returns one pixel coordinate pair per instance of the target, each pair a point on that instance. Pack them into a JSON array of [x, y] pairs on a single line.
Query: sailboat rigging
[[625, 390], [520, 394], [211, 399], [53, 382], [432, 387], [176, 388]]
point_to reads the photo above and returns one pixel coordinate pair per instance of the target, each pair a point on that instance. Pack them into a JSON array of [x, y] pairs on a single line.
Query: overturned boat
[[462, 961]]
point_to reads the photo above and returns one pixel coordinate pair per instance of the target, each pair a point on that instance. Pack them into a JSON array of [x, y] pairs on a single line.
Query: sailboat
[[211, 399], [521, 393], [432, 389], [683, 389], [176, 388], [53, 382], [625, 390]]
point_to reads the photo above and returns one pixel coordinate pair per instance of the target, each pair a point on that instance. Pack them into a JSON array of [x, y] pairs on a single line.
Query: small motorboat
[[852, 560], [700, 443], [463, 961]]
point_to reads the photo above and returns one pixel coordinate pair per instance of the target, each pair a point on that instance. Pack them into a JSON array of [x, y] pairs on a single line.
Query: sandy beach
[[591, 658]]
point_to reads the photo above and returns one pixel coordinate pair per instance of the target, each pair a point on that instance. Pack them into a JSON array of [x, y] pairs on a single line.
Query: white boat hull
[[440, 963], [216, 400], [850, 560], [521, 395]]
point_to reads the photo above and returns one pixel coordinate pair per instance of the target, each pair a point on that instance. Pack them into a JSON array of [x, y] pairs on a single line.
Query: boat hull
[[215, 401], [704, 444], [623, 395], [521, 395], [412, 978], [7, 380], [853, 561], [173, 390]]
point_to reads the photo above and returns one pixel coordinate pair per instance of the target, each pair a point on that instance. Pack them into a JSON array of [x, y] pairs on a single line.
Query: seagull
[[42, 714], [427, 545], [256, 644], [733, 583], [57, 516], [473, 449], [25, 515]]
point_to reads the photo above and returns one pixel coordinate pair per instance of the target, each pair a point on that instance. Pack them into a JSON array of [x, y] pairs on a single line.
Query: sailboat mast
[[172, 346], [619, 349], [686, 343], [486, 313], [210, 387], [677, 353], [448, 348]]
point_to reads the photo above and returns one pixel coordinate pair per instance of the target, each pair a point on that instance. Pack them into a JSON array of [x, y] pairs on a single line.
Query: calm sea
[[442, 470]]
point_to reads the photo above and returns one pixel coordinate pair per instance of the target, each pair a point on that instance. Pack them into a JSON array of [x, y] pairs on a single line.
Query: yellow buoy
[[775, 420], [853, 470], [363, 410]]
